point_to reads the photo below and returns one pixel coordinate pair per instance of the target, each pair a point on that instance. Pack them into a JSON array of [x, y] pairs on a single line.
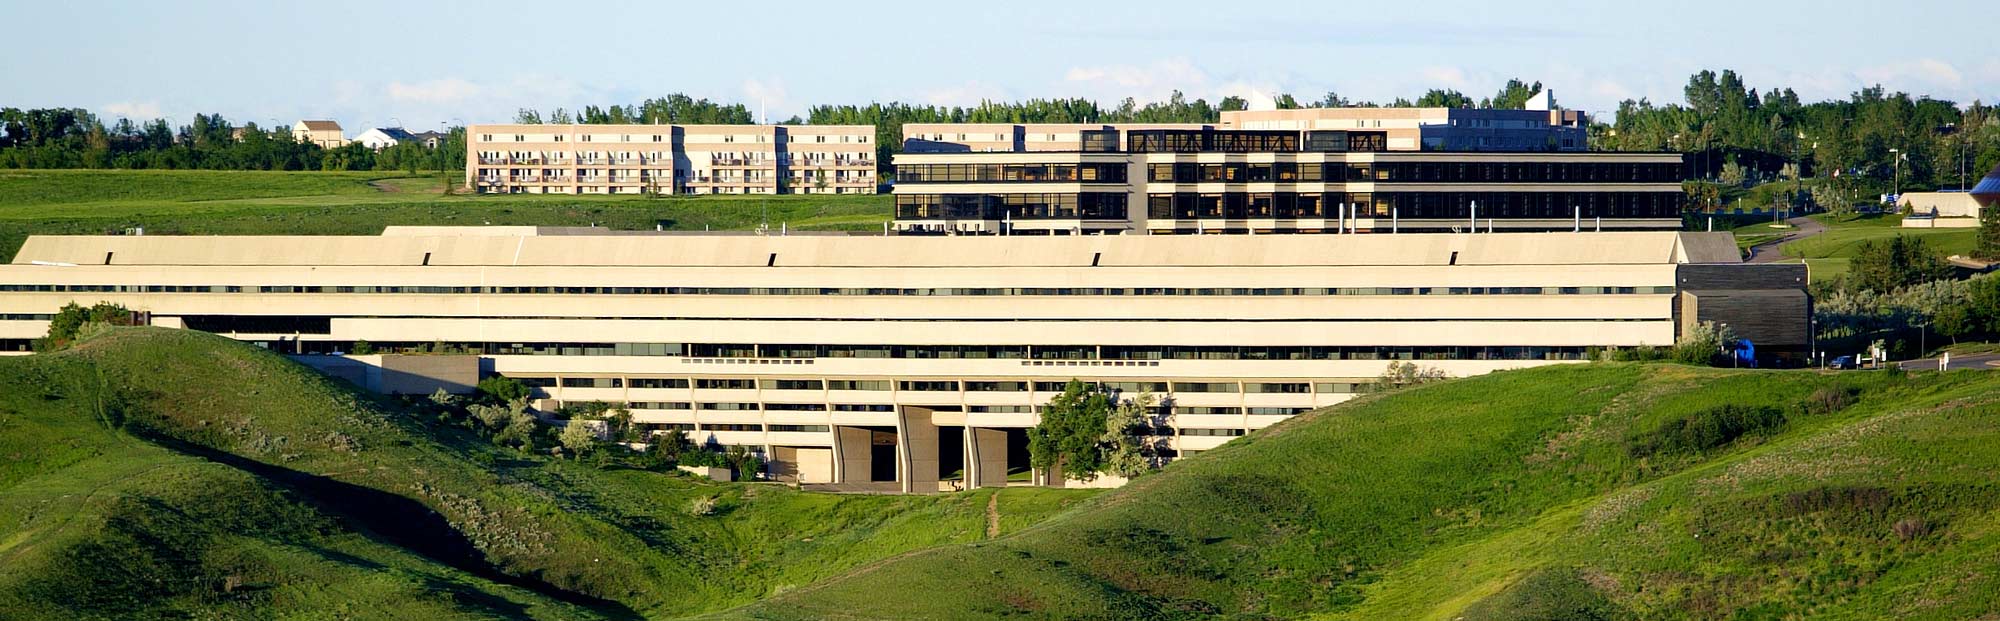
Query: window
[[1209, 410], [726, 383], [1213, 432], [593, 382], [658, 405], [799, 428], [1205, 387], [857, 384], [730, 426], [730, 407], [797, 384], [659, 382], [1278, 411], [996, 386], [928, 385], [794, 407], [1276, 387], [866, 407]]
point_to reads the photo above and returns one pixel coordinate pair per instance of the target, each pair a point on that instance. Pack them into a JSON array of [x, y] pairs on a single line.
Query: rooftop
[[533, 246]]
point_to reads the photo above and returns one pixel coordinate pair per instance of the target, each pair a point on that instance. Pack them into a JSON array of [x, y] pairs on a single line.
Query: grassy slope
[[323, 501], [1446, 498], [1828, 253], [328, 203]]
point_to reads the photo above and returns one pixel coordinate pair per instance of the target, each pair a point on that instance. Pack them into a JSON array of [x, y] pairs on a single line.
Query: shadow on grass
[[398, 521]]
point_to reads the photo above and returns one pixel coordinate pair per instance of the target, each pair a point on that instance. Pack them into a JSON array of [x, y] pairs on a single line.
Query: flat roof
[[529, 246]]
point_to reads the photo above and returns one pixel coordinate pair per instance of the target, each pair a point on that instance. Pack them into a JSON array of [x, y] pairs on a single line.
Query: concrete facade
[[671, 159], [1340, 170], [910, 363]]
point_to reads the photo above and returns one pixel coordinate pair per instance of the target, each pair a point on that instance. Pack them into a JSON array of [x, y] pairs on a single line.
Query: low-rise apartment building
[[902, 360], [1338, 170], [671, 159]]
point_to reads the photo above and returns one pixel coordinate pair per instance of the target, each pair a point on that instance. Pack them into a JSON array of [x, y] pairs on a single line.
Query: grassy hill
[[1829, 253], [343, 203], [174, 474], [1603, 491]]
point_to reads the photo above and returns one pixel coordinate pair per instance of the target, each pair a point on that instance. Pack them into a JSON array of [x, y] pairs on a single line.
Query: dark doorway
[[951, 453], [1017, 454], [882, 455]]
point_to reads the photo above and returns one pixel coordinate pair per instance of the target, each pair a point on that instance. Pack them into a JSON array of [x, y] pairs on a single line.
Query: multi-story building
[[671, 159], [326, 134], [902, 360], [1355, 170]]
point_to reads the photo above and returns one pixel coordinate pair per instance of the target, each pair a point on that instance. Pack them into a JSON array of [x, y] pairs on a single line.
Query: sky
[[416, 63]]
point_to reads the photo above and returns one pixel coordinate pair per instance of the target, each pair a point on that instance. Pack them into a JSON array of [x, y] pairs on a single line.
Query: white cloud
[[135, 110], [1452, 78], [445, 91], [965, 94], [762, 97], [1151, 82]]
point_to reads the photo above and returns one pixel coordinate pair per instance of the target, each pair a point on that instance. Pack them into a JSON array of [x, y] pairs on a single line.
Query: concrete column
[[852, 446], [985, 457], [917, 450]]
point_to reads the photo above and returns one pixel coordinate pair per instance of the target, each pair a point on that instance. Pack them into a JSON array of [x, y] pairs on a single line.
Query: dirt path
[[1772, 251], [382, 187], [993, 515]]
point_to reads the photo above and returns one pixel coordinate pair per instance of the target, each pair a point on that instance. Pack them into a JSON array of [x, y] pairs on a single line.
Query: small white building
[[1940, 210], [383, 137]]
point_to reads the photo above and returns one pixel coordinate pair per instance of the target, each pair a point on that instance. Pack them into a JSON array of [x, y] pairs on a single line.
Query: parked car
[[1843, 362]]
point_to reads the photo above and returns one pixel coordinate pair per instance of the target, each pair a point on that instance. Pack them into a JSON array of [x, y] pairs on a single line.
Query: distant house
[[326, 134], [431, 140], [384, 137]]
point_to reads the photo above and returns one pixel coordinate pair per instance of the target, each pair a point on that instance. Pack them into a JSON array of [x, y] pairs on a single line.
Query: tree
[[72, 322], [1400, 374], [501, 389], [362, 348], [578, 437], [1073, 424], [1702, 344], [1885, 266], [1125, 452], [1830, 199], [1987, 248]]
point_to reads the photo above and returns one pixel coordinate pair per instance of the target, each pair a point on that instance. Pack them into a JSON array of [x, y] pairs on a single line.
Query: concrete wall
[[401, 374]]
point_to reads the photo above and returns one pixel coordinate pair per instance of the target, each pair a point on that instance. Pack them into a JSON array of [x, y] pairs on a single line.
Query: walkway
[[1772, 251], [1958, 363]]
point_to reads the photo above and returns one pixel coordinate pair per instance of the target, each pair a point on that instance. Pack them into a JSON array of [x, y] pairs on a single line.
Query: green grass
[[73, 202], [170, 474], [1828, 253], [1518, 491]]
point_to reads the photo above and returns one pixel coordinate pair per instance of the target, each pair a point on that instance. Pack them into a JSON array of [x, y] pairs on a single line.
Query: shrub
[[362, 348], [1547, 595], [74, 321], [1912, 528], [1828, 400], [1707, 429], [1702, 344], [502, 389]]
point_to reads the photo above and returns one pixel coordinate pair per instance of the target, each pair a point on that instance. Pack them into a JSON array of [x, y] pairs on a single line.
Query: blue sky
[[416, 63]]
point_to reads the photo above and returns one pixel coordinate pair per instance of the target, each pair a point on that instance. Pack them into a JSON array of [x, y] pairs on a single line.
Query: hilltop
[[208, 202], [153, 473], [1602, 491]]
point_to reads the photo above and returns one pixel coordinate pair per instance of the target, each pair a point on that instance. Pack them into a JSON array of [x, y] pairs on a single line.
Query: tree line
[[76, 138], [1734, 133]]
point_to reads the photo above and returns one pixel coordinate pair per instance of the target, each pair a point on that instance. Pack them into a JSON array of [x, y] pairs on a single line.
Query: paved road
[[1802, 227], [1968, 361]]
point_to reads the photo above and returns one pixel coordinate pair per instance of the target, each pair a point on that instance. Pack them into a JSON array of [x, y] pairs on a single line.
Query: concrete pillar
[[916, 450], [852, 446], [985, 457]]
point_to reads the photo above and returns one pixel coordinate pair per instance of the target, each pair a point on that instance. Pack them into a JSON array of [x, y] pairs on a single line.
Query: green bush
[[499, 388], [1707, 429], [1547, 595]]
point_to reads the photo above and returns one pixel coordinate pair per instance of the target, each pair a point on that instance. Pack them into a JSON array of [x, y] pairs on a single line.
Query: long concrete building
[[1329, 170], [904, 361], [671, 159]]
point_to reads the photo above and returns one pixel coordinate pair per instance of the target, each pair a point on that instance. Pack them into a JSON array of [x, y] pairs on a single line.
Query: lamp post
[[1896, 165]]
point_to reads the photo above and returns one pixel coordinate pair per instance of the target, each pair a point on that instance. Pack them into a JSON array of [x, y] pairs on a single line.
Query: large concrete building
[[1321, 170], [899, 361], [671, 159]]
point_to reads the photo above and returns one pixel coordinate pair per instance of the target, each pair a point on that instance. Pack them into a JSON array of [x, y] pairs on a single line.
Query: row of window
[[1251, 141], [806, 291], [1125, 387], [1018, 352], [777, 428], [960, 173], [1413, 205], [1417, 172], [1053, 206]]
